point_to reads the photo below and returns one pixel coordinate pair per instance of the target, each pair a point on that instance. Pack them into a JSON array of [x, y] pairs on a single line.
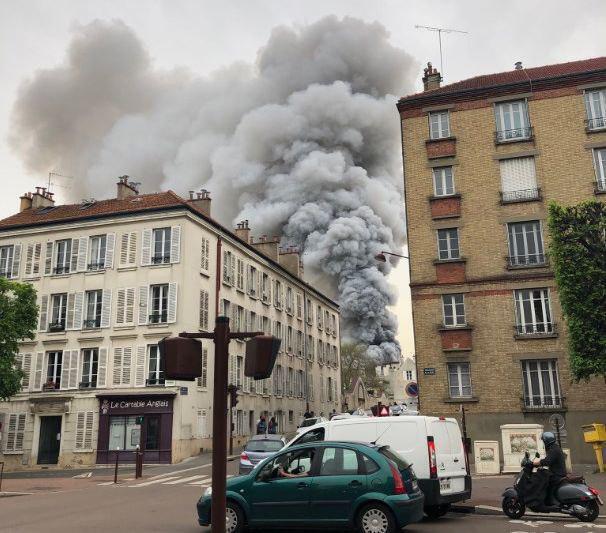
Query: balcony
[[160, 259], [524, 195], [50, 385], [532, 404], [515, 135], [92, 323], [158, 318], [94, 266], [61, 269], [87, 384], [154, 382], [526, 261], [55, 327], [535, 331], [595, 124]]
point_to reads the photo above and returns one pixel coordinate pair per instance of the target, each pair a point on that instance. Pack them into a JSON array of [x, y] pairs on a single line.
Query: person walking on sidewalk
[[261, 426], [273, 426]]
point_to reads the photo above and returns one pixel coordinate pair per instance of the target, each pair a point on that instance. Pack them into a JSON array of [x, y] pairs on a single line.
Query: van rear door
[[450, 457]]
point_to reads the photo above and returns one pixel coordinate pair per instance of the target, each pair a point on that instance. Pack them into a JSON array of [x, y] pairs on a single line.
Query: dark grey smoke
[[305, 143]]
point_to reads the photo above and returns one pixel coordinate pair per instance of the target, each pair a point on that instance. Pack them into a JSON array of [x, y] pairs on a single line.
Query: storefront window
[[124, 433], [152, 430]]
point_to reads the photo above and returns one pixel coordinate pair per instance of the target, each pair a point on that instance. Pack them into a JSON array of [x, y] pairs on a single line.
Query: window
[[90, 362], [330, 389], [122, 364], [409, 375], [518, 180], [533, 312], [309, 311], [339, 462], [599, 157], [443, 181], [299, 306], [294, 462], [205, 254], [6, 261], [96, 260], [278, 294], [252, 282], [239, 274], [541, 384], [448, 243], [512, 121], [266, 325], [239, 370], [124, 433], [291, 417], [370, 466], [290, 382], [289, 301], [159, 304], [289, 339], [63, 250], [299, 343], [439, 125], [319, 317], [525, 243], [278, 381], [310, 348], [155, 373], [320, 352], [454, 310], [265, 288], [53, 370], [459, 380], [595, 105], [161, 246], [84, 431], [94, 303], [15, 432], [58, 312]]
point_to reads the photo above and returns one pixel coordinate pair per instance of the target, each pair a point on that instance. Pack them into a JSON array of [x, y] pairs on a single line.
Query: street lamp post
[[381, 257]]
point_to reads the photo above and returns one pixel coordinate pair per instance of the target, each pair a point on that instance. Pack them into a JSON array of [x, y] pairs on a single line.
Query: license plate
[[444, 484]]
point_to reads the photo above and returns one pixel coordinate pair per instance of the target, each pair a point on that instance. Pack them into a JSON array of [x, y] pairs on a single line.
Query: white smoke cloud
[[304, 144]]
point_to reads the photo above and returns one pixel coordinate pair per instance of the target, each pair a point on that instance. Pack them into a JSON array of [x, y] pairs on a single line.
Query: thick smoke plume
[[304, 144]]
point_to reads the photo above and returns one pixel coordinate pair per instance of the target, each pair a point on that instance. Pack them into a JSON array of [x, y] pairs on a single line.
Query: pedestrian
[[273, 426], [306, 415], [261, 426], [334, 413]]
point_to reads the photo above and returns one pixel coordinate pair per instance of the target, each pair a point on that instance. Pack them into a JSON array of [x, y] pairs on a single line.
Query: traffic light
[[233, 394], [261, 353], [182, 358]]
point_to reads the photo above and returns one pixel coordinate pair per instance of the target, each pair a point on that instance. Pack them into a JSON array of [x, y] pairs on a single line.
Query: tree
[[18, 318], [356, 363], [578, 255]]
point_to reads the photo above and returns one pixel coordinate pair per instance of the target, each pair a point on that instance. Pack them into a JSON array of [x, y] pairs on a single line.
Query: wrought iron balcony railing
[[92, 323], [96, 265], [517, 134], [150, 382], [158, 318], [523, 195], [529, 260], [57, 326], [597, 123], [539, 329], [160, 259], [530, 403], [61, 269]]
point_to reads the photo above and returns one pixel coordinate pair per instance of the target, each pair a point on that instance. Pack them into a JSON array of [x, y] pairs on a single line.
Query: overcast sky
[[205, 35]]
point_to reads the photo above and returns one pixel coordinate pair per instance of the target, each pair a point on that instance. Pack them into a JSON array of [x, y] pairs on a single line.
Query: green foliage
[[578, 255], [355, 362], [18, 318]]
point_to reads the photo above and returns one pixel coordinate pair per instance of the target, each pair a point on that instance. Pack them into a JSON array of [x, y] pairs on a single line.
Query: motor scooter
[[572, 497]]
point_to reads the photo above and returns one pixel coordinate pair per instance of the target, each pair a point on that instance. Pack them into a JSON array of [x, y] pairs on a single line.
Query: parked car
[[258, 448], [434, 445], [328, 484], [308, 422]]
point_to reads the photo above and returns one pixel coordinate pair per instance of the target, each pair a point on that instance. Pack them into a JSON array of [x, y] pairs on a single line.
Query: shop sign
[[135, 404]]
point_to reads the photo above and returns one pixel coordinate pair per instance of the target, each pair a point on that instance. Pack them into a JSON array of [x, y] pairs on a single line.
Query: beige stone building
[[482, 159], [114, 277]]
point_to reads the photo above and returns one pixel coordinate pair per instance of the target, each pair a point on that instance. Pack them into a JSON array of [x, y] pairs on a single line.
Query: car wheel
[[375, 518], [234, 518], [436, 511]]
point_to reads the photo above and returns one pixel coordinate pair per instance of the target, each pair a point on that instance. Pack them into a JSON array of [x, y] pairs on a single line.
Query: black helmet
[[548, 438]]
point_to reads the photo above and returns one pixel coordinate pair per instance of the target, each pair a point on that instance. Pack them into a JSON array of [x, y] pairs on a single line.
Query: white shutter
[[140, 366], [26, 366], [106, 308], [146, 247], [80, 425], [127, 358], [66, 364], [102, 368], [205, 254], [43, 321], [48, 258], [37, 371], [117, 366], [129, 308], [69, 323], [88, 431], [518, 174], [73, 260], [175, 244], [143, 304], [124, 249], [172, 303], [73, 369], [15, 433], [120, 307], [78, 310], [16, 261], [83, 254], [203, 310], [29, 260], [110, 243]]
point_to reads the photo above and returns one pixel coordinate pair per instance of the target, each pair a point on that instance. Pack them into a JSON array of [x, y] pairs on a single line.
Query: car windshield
[[263, 446], [400, 462], [309, 422]]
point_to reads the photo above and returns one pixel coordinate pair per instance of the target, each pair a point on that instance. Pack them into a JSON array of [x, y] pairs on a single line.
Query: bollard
[[138, 463], [116, 469], [1, 473]]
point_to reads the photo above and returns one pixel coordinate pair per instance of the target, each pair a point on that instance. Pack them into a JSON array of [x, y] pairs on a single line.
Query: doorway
[[50, 440]]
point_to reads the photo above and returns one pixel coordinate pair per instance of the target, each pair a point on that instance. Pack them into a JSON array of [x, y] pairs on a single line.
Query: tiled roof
[[517, 76], [113, 206]]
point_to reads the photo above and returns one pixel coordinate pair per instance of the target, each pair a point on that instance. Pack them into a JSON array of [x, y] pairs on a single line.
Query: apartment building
[[115, 276], [483, 157]]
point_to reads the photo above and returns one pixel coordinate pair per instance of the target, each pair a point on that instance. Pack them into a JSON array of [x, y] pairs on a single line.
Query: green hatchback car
[[323, 484]]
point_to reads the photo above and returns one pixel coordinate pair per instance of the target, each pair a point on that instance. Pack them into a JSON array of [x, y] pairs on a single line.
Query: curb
[[12, 494], [488, 510]]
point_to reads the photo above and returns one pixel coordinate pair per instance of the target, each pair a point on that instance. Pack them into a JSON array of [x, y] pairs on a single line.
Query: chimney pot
[[518, 65], [191, 195], [201, 200], [431, 77]]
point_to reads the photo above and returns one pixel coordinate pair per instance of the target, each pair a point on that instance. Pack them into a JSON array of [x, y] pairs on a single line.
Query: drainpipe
[[218, 277]]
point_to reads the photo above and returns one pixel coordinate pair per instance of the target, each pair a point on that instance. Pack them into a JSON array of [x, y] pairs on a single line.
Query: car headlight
[[208, 491]]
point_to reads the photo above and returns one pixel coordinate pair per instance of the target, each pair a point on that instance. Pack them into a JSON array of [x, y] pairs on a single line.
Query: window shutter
[[205, 253], [37, 370], [66, 363], [83, 254], [102, 368], [106, 308], [78, 310], [110, 242], [69, 323], [26, 367], [43, 322], [73, 260], [232, 268], [146, 247], [172, 302], [80, 424], [175, 244], [15, 433], [127, 357], [88, 431], [48, 258], [117, 366], [204, 310], [73, 369], [29, 260], [120, 307], [129, 312], [124, 249], [203, 382], [140, 366], [143, 303], [518, 174], [16, 261]]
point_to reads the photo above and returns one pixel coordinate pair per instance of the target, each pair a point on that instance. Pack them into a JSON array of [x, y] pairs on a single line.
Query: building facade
[[482, 159], [114, 277]]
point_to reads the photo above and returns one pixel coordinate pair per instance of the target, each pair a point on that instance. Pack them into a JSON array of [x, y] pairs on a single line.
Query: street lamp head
[[381, 257]]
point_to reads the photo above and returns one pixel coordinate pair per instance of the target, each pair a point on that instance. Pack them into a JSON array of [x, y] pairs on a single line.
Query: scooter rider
[[555, 460]]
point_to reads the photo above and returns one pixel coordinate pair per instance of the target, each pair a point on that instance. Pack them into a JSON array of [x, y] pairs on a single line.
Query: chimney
[[243, 231], [201, 200], [41, 198], [268, 247], [431, 78], [290, 260], [518, 65], [125, 188], [26, 202]]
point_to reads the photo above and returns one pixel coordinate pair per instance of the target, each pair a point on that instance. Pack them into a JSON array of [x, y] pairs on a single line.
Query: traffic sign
[[384, 411], [412, 389]]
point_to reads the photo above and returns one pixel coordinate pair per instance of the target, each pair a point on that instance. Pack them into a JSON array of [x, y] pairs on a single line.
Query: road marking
[[153, 482], [185, 480], [201, 483], [105, 483], [174, 472], [84, 475]]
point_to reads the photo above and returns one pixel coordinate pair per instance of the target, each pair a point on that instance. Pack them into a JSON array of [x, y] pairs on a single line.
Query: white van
[[433, 445]]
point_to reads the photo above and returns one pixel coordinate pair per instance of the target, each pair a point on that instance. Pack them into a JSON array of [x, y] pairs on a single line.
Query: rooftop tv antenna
[[56, 174], [440, 31]]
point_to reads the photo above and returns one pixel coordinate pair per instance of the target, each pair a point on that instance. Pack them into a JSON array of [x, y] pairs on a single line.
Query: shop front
[[128, 422]]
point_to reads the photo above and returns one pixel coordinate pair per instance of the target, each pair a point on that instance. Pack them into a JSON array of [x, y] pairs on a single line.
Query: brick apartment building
[[483, 157]]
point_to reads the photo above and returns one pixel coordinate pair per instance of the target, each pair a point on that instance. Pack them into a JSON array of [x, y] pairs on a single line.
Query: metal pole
[[440, 40], [219, 466], [557, 428], [465, 439], [116, 468], [1, 474], [231, 419]]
